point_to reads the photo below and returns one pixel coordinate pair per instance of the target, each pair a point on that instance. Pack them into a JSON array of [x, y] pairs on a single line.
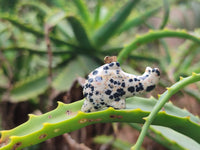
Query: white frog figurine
[[109, 86]]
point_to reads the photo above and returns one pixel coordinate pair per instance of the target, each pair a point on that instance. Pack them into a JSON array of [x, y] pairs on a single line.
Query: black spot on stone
[[95, 72], [135, 79], [88, 110], [118, 83], [87, 86], [97, 92], [116, 95], [121, 92], [91, 100], [158, 72], [92, 88], [141, 87], [115, 82], [123, 84], [111, 86], [117, 99], [130, 80], [118, 64], [117, 71], [90, 94], [108, 92], [111, 80], [105, 68], [110, 97], [96, 107], [90, 80], [131, 89], [102, 103], [111, 64], [149, 88], [98, 78], [137, 88], [85, 94]]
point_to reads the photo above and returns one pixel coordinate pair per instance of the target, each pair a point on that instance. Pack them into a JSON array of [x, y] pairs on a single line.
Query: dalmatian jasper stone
[[109, 86]]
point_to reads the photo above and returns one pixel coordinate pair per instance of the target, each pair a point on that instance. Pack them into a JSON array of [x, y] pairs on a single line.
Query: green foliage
[[46, 45]]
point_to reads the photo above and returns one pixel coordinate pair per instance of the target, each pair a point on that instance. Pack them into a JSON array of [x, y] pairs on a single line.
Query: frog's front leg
[[118, 104]]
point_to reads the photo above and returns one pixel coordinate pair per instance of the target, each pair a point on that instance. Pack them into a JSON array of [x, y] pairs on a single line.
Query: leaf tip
[[181, 78], [194, 74], [145, 118], [31, 116], [60, 103], [168, 88]]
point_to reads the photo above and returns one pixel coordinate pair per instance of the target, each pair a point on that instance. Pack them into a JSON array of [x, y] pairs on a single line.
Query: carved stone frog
[[109, 86]]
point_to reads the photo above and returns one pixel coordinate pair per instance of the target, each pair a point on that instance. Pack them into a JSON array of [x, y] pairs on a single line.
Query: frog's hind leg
[[118, 104]]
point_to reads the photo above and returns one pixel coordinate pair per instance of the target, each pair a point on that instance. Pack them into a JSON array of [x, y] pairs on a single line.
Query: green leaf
[[28, 28], [35, 50], [80, 33], [97, 12], [68, 117], [162, 102], [154, 35], [176, 138], [116, 143], [166, 13], [53, 19], [41, 7], [138, 20], [79, 67], [67, 76], [168, 138], [111, 26], [82, 10], [29, 87]]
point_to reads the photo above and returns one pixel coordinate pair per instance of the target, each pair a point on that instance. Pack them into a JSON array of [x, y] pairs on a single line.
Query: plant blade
[[109, 29]]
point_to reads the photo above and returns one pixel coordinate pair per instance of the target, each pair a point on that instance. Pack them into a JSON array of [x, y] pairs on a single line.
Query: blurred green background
[[48, 46]]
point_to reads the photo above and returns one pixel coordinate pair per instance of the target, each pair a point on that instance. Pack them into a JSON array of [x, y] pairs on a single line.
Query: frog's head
[[150, 78]]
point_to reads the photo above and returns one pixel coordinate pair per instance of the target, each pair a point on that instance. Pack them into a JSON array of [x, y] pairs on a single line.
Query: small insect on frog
[[109, 85]]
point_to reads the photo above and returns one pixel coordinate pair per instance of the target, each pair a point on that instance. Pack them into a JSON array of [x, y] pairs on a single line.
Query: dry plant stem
[[50, 55], [161, 102]]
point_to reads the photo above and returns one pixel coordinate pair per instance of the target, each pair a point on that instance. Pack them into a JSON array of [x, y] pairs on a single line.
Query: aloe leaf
[[36, 32], [82, 10], [68, 117], [154, 35], [67, 76], [116, 143], [138, 20], [176, 139], [79, 67], [193, 92], [55, 18], [29, 87], [167, 137], [109, 29], [39, 6], [97, 12], [80, 33], [161, 102], [33, 50], [166, 13]]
